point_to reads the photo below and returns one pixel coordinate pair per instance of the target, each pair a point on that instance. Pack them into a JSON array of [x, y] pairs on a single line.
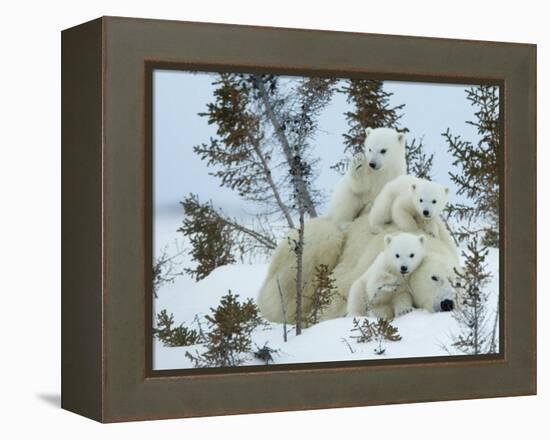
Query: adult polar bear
[[349, 255], [383, 160], [430, 284], [323, 243]]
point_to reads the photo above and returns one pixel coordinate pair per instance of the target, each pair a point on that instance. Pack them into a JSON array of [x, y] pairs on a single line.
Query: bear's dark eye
[[435, 278], [421, 200], [411, 256], [396, 255], [434, 202], [370, 149], [383, 151]]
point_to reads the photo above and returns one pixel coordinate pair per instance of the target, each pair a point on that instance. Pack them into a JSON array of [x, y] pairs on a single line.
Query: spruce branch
[[379, 332], [210, 238], [371, 107], [471, 315], [477, 164], [323, 293], [172, 336], [230, 327]]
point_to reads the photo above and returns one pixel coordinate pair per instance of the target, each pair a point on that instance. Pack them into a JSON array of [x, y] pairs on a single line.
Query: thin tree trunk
[[283, 308], [446, 223], [264, 240], [272, 185], [476, 326], [301, 186], [493, 345], [299, 269]]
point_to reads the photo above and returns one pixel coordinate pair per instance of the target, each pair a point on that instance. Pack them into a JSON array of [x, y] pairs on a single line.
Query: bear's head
[[431, 285], [429, 198], [384, 146], [404, 252]]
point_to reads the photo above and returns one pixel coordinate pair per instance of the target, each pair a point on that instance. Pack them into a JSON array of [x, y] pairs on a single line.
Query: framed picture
[[262, 219]]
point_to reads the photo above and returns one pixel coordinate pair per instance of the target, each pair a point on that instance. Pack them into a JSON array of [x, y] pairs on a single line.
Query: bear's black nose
[[372, 165], [404, 269], [426, 213], [447, 305]]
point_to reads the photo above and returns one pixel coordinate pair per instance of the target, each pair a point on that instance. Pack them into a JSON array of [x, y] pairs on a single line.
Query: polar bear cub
[[383, 159], [382, 289], [410, 203]]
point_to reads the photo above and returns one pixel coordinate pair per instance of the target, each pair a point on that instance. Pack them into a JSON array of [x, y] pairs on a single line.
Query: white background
[[30, 218]]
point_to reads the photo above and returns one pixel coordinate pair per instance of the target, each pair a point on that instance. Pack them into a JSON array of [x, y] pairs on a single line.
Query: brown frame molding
[[106, 188]]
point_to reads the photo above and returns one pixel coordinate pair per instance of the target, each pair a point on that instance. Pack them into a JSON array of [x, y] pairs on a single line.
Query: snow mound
[[423, 333]]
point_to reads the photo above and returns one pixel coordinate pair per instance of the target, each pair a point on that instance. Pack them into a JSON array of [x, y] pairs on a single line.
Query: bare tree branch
[[264, 240], [301, 185], [271, 183]]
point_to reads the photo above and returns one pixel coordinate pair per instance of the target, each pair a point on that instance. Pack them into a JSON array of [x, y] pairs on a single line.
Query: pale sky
[[179, 97]]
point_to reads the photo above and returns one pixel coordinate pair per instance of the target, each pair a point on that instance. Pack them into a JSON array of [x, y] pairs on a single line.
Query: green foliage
[[474, 337], [234, 152], [378, 331], [371, 109], [323, 293], [172, 336], [372, 331], [259, 123], [228, 339], [209, 235], [477, 177], [264, 127]]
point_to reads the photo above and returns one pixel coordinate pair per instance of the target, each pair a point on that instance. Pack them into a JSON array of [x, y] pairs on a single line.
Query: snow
[[423, 333]]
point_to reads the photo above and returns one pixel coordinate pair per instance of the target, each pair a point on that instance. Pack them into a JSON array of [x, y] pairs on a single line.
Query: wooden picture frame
[[106, 219]]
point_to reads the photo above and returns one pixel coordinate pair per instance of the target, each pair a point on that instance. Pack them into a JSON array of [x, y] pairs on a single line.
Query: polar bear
[[381, 290], [323, 242], [383, 160], [432, 285], [361, 249], [410, 203]]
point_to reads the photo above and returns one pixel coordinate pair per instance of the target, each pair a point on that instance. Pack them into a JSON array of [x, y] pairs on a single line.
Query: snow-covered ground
[[423, 334]]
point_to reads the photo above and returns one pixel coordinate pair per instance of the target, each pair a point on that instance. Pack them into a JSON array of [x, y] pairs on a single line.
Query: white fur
[[361, 249], [433, 282], [383, 160], [323, 242], [380, 290], [349, 257], [410, 203]]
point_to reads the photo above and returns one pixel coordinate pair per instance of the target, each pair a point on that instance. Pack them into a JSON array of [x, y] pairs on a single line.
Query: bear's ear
[[401, 138], [368, 131], [387, 239], [413, 186], [422, 239]]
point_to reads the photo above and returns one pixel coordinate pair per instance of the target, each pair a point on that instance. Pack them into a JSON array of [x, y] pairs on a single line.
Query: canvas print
[[306, 220]]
